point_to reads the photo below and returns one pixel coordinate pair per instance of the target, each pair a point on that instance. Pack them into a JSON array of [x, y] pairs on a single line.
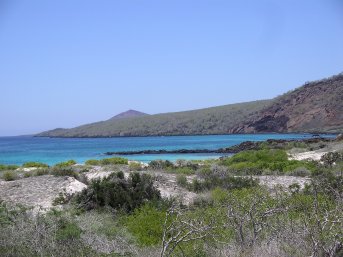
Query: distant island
[[314, 107]]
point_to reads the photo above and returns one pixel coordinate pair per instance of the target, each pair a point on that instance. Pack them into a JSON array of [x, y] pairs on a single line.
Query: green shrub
[[35, 165], [28, 174], [219, 195], [146, 225], [93, 162], [64, 171], [41, 172], [256, 162], [114, 161], [135, 166], [197, 185], [107, 161], [8, 167], [258, 156], [184, 170], [65, 164], [181, 180], [9, 176], [119, 193], [68, 231]]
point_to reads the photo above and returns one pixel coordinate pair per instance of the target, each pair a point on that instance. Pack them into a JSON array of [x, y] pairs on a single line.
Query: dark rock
[[339, 137]]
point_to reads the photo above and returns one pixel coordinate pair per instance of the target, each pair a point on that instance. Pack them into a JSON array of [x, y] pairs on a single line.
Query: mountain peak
[[128, 114]]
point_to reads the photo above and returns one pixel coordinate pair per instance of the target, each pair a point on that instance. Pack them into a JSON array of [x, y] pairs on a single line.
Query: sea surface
[[18, 150]]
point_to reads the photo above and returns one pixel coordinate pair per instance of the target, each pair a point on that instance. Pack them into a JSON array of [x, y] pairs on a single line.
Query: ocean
[[21, 149]]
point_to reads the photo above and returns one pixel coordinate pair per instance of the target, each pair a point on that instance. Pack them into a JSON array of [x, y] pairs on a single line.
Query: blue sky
[[66, 63]]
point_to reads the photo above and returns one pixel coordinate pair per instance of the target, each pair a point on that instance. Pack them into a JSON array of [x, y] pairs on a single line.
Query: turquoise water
[[18, 150]]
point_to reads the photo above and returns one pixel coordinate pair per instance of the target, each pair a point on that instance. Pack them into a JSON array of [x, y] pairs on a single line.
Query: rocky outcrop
[[180, 151], [234, 149], [314, 107], [339, 137], [247, 145]]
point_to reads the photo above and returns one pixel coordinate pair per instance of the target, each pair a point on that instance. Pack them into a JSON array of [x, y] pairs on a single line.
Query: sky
[[66, 63]]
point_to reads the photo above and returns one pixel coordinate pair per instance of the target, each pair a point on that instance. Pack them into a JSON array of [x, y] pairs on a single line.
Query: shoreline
[[244, 146], [186, 135]]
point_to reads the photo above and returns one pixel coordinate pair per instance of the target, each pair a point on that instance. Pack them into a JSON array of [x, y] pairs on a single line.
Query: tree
[[181, 227], [249, 212]]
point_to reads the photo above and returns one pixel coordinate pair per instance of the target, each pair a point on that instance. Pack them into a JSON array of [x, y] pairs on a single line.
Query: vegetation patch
[[65, 164], [119, 193], [135, 166], [35, 165], [64, 171], [107, 161], [146, 225], [9, 176], [255, 162], [8, 167], [41, 172]]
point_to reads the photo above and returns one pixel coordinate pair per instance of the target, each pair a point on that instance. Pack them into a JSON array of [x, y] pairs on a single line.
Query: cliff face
[[316, 106]]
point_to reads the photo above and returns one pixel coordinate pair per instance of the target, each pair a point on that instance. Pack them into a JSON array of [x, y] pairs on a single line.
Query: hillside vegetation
[[215, 120], [315, 107]]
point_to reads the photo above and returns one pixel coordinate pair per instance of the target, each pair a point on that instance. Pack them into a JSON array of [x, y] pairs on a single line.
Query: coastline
[[190, 135]]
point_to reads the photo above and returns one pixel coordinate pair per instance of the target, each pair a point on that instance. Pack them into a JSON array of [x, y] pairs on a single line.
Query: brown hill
[[314, 107]]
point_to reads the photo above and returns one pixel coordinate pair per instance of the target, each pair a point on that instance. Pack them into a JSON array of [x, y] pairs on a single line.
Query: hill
[[315, 107], [128, 114]]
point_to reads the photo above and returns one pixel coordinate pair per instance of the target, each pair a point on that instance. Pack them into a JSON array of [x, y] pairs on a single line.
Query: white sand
[[312, 155]]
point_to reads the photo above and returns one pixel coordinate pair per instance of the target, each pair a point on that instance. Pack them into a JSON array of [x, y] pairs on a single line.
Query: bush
[[64, 171], [35, 165], [107, 161], [28, 174], [114, 161], [225, 181], [65, 164], [160, 164], [8, 167], [145, 224], [186, 164], [185, 171], [135, 166], [93, 162], [41, 172], [181, 180], [119, 193], [9, 176], [256, 162], [219, 195], [301, 172], [196, 185], [331, 158], [68, 231]]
